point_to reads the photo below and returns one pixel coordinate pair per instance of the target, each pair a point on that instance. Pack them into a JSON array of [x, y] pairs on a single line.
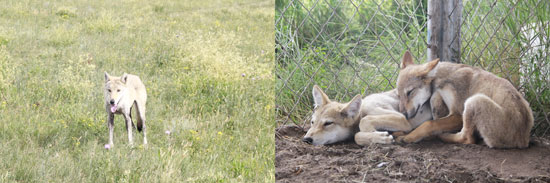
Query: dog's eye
[[109, 90], [118, 90], [409, 92], [328, 123]]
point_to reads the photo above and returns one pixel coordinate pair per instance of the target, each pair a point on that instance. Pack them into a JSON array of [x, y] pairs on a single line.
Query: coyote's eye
[[109, 90], [328, 123], [118, 90]]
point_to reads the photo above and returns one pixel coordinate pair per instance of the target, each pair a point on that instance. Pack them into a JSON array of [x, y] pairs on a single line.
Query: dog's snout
[[112, 102], [308, 140]]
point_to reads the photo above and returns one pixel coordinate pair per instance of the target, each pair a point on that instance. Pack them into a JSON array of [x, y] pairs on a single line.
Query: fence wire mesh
[[350, 47]]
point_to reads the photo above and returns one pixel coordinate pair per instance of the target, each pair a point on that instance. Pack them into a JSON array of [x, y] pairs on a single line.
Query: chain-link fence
[[350, 47]]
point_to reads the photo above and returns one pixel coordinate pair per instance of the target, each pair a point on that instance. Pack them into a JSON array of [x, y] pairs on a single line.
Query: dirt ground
[[426, 161]]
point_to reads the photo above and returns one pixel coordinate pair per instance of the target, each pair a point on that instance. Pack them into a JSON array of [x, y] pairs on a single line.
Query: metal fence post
[[444, 19]]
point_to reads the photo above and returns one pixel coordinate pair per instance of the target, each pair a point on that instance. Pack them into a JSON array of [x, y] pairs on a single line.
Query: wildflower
[[167, 132]]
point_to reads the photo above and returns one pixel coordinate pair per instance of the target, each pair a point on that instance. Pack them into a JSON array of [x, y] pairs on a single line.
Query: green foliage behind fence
[[354, 47]]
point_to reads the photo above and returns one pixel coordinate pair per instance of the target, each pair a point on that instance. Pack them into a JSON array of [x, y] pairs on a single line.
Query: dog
[[365, 119], [121, 94], [478, 102]]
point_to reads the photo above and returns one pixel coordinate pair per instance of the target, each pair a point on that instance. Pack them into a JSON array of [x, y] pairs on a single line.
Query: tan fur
[[125, 92], [374, 112], [476, 100]]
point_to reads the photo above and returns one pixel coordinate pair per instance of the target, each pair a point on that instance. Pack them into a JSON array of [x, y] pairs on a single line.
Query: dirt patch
[[426, 161]]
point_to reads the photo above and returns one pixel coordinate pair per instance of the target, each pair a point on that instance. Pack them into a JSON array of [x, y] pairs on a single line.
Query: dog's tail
[[139, 125], [140, 116]]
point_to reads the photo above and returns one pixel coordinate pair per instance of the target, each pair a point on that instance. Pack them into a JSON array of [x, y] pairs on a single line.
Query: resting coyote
[[121, 93], [477, 100], [333, 122]]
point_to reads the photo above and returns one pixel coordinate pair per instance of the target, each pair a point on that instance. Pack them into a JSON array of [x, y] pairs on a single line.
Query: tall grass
[[347, 48], [207, 66]]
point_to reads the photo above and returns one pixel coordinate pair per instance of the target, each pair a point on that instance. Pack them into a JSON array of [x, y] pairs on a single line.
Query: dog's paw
[[383, 138], [367, 138], [390, 139], [383, 133], [398, 133], [403, 140], [399, 139]]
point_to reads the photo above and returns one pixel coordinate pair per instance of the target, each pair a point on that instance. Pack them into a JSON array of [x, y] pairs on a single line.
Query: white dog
[[121, 93]]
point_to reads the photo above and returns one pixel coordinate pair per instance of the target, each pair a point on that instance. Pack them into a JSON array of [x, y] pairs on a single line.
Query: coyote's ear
[[353, 107], [430, 67], [406, 60], [107, 77], [319, 97], [124, 78]]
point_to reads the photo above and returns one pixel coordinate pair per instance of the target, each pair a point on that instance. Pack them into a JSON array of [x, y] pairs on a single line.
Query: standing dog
[[477, 101], [121, 94], [333, 121]]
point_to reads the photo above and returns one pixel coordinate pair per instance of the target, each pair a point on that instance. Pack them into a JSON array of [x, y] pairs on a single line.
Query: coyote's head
[[414, 84], [115, 88], [332, 121]]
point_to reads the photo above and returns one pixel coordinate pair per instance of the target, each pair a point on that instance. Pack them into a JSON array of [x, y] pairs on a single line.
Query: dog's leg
[[130, 113], [399, 133], [438, 107], [483, 114], [371, 123], [111, 126], [390, 122], [367, 138], [433, 127], [128, 126]]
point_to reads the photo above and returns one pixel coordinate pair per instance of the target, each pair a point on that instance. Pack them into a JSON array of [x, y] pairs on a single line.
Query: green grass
[[191, 57]]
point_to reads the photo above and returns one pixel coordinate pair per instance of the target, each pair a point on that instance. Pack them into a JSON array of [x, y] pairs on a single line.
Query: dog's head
[[332, 121], [414, 84], [115, 88]]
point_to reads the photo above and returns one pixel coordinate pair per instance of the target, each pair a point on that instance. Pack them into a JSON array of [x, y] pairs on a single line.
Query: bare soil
[[427, 161]]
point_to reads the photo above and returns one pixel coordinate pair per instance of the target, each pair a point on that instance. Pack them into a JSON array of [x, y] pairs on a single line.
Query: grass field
[[207, 66]]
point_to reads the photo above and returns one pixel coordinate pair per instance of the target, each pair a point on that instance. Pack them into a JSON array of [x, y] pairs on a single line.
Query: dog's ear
[[406, 60], [430, 67], [319, 97], [107, 77], [124, 78], [353, 108]]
